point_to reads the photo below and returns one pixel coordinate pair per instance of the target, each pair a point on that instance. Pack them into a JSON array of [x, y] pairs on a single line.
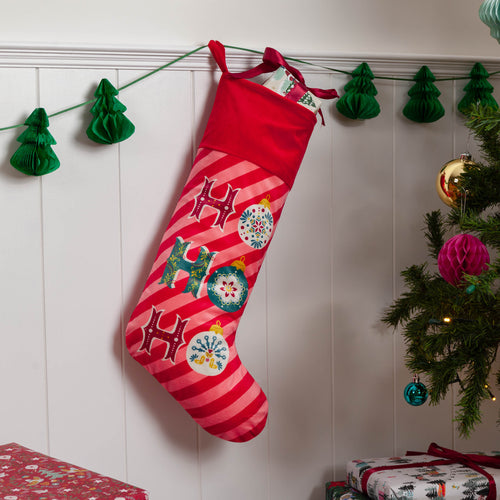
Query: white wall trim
[[149, 58]]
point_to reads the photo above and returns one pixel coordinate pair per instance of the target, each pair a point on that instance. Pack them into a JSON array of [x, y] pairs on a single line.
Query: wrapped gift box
[[284, 83], [339, 490], [425, 476], [28, 475]]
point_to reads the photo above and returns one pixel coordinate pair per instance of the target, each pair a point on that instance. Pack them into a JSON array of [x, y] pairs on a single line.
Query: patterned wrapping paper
[[284, 83], [339, 490], [451, 481], [28, 475]]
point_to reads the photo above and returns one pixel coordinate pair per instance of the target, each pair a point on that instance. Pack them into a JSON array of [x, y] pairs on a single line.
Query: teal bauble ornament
[[415, 392]]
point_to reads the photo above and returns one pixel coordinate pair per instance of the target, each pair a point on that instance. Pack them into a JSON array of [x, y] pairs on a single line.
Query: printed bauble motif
[[208, 352], [256, 224], [462, 254], [448, 180], [227, 287]]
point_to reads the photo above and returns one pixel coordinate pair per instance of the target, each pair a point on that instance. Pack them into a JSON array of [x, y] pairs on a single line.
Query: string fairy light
[[492, 396]]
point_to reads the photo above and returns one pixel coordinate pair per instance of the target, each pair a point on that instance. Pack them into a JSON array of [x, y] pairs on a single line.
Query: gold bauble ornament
[[448, 182]]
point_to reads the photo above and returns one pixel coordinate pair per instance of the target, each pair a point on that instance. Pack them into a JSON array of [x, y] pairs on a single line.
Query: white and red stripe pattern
[[228, 403]]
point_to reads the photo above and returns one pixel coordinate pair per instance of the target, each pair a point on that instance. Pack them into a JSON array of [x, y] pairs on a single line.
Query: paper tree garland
[[359, 101], [35, 155], [109, 124], [478, 90], [424, 105]]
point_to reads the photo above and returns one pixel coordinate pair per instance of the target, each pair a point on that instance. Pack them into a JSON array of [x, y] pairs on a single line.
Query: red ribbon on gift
[[446, 456]]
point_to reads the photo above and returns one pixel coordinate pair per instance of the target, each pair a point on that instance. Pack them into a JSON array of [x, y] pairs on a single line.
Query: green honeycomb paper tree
[[358, 102], [109, 124], [35, 155], [424, 105], [478, 91]]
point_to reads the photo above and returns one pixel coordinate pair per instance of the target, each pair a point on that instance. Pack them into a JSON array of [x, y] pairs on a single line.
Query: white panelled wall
[[77, 246]]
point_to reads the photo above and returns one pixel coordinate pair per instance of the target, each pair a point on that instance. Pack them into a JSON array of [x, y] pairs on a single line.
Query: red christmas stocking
[[183, 328]]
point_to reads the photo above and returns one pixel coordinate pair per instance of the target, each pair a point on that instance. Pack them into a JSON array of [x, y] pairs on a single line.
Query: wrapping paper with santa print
[[452, 481]]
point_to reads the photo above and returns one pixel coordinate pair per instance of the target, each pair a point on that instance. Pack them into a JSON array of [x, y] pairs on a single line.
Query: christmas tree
[[450, 313]]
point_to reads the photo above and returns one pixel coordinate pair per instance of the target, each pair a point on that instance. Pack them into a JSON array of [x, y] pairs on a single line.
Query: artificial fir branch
[[482, 187], [460, 352], [484, 123], [434, 232], [488, 227]]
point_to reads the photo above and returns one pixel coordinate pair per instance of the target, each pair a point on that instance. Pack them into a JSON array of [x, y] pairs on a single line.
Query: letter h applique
[[204, 199], [197, 270]]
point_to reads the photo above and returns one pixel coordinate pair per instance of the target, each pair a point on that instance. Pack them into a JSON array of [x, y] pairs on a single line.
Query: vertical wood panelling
[[162, 452], [362, 282], [299, 316], [22, 365], [78, 245], [421, 149], [81, 222]]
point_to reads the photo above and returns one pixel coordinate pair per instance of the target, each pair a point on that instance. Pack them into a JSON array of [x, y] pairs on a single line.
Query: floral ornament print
[[256, 224], [227, 287]]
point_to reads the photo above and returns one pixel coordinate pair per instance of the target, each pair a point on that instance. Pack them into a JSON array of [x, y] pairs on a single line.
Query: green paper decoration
[[358, 102], [35, 155], [109, 124], [424, 105], [477, 91]]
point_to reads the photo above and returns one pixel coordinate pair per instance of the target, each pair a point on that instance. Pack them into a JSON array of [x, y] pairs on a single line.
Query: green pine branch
[[460, 352], [434, 232]]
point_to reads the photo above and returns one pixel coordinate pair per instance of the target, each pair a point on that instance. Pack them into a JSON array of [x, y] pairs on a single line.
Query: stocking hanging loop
[[272, 60]]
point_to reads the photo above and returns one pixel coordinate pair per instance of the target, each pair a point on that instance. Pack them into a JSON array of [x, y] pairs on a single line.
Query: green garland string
[[109, 125]]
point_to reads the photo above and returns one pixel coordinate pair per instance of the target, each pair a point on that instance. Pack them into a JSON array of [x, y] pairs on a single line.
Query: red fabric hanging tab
[[219, 53]]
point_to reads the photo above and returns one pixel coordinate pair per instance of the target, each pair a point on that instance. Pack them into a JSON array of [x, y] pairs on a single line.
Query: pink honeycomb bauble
[[462, 254]]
